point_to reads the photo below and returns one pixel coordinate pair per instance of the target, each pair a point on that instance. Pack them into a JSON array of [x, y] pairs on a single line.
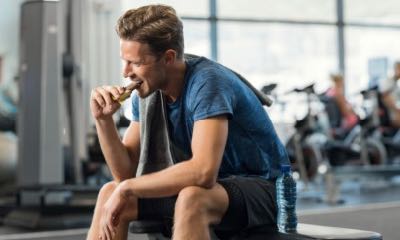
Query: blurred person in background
[[390, 96], [348, 118]]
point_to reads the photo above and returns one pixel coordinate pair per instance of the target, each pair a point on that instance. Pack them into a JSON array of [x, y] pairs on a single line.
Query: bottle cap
[[285, 168]]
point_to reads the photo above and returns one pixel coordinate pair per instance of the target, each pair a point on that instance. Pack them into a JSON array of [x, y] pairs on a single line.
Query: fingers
[[107, 233], [104, 95], [113, 231], [97, 98], [115, 91]]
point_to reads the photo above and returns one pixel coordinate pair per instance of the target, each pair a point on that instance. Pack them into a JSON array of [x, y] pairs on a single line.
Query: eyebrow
[[132, 60]]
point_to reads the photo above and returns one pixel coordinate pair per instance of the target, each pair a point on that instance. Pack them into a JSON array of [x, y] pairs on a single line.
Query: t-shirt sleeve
[[135, 108], [212, 95]]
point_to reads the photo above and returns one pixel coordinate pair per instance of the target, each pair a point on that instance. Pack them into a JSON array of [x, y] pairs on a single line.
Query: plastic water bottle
[[286, 200]]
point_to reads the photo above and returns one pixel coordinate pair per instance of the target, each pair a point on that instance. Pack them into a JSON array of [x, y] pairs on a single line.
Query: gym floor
[[372, 205]]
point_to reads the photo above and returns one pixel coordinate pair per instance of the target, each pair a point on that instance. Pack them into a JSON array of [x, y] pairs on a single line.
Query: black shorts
[[252, 203]]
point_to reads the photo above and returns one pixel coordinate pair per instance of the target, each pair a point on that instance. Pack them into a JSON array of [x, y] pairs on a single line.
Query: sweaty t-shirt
[[253, 147]]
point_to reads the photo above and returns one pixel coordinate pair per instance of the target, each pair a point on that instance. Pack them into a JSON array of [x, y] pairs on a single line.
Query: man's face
[[140, 64]]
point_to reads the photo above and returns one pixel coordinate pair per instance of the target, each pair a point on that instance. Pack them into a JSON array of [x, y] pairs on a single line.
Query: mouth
[[134, 85], [128, 91]]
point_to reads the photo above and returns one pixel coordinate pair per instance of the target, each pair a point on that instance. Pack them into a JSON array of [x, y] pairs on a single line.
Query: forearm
[[208, 144], [168, 182], [114, 151]]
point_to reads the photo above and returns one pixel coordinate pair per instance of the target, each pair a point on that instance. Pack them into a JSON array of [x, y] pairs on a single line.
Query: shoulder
[[209, 90], [208, 72]]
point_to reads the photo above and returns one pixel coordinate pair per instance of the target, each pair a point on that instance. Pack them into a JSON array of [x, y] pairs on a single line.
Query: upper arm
[[208, 145], [131, 141]]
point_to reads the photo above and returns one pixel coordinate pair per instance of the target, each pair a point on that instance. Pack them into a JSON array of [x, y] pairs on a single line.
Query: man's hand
[[112, 211], [102, 103]]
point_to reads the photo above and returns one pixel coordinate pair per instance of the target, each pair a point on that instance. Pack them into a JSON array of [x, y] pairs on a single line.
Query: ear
[[170, 56]]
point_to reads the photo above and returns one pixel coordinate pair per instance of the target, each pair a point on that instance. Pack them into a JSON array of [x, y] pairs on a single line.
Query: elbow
[[207, 179], [120, 178]]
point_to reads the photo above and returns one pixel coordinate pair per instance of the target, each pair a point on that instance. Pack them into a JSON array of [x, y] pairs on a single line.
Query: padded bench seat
[[304, 232]]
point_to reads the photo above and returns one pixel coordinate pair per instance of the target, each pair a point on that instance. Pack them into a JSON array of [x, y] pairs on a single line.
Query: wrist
[[105, 120], [125, 190]]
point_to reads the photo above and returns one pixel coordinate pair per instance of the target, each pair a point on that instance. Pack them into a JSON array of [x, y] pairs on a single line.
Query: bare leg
[[128, 215], [195, 209]]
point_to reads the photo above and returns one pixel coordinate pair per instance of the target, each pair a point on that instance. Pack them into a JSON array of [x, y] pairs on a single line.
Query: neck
[[176, 81]]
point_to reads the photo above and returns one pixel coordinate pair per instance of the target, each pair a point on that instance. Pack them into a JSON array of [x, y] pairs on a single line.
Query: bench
[[158, 230]]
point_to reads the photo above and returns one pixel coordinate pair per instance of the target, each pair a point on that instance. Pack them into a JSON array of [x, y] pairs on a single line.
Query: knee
[[106, 190], [130, 211], [191, 201]]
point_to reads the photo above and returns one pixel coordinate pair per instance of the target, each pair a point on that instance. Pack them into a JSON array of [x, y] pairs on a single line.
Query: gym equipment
[[361, 144], [43, 199], [39, 129], [305, 147]]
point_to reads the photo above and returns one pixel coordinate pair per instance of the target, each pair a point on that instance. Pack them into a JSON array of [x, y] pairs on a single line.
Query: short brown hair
[[156, 25]]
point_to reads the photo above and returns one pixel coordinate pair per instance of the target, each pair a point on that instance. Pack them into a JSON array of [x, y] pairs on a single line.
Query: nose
[[128, 71]]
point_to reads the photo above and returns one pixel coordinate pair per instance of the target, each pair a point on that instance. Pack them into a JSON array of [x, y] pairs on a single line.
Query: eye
[[136, 64]]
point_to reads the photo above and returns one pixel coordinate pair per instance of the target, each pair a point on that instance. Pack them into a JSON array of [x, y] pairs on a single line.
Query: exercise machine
[[49, 193]]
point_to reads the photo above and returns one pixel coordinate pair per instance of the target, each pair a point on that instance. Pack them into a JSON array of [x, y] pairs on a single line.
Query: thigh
[[215, 200], [252, 203]]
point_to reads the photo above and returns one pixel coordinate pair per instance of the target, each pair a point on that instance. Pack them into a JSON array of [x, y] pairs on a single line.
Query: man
[[390, 95], [213, 116]]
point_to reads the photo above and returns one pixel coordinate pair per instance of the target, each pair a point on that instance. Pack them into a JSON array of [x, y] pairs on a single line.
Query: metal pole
[[340, 35], [213, 30]]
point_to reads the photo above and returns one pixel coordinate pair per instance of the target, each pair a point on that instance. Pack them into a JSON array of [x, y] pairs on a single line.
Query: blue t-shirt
[[253, 147]]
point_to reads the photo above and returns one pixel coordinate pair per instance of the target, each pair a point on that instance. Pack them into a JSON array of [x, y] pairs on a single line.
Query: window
[[196, 34], [196, 31], [290, 55], [364, 45], [183, 8], [372, 11], [304, 10]]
